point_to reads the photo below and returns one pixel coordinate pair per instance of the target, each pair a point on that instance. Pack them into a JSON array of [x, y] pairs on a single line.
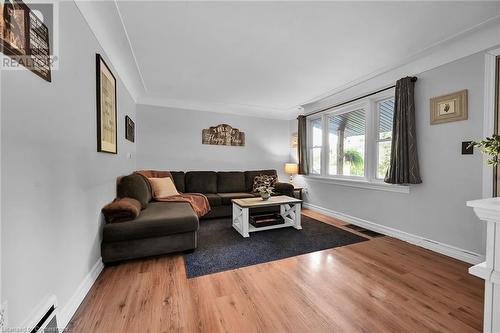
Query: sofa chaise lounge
[[166, 227]]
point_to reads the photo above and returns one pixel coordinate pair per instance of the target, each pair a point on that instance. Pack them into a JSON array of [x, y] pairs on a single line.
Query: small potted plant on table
[[265, 192]]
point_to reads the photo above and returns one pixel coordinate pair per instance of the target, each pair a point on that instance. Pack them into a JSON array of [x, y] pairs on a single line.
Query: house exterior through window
[[353, 142]]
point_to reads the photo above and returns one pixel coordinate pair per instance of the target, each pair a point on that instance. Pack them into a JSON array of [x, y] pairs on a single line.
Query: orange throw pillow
[[163, 187]]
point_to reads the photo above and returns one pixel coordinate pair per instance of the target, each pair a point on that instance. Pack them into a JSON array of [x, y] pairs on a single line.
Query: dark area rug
[[222, 248]]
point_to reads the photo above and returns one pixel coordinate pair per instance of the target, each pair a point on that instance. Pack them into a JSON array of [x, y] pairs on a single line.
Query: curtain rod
[[413, 79]]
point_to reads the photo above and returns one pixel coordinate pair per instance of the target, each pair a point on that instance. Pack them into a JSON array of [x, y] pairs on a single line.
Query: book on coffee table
[[265, 220]]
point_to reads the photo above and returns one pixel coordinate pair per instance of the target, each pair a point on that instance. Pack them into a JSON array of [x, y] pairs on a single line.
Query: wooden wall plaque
[[223, 135]]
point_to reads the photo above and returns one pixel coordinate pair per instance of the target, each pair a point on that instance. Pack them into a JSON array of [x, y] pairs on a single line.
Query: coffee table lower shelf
[[251, 228]]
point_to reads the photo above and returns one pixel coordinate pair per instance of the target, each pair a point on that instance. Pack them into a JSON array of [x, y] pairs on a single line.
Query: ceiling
[[270, 57]]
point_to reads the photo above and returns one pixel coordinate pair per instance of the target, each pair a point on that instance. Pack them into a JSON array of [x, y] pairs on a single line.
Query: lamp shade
[[291, 168]]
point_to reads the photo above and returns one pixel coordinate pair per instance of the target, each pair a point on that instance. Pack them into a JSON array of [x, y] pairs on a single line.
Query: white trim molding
[[439, 247], [68, 310], [120, 50], [113, 40], [130, 46], [365, 184], [476, 39], [255, 111], [489, 114], [488, 210]]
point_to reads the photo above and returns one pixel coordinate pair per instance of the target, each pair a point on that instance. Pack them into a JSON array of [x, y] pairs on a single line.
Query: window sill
[[373, 185]]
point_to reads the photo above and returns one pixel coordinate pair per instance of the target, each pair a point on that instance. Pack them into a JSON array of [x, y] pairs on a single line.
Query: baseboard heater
[[48, 323]]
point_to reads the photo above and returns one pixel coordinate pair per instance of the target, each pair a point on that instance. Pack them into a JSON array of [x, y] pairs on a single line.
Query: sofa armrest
[[284, 189]]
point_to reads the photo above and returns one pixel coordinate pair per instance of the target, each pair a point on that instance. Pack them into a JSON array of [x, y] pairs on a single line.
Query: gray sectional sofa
[[165, 227]]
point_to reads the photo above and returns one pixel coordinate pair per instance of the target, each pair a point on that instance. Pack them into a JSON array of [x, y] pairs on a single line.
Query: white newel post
[[488, 210]]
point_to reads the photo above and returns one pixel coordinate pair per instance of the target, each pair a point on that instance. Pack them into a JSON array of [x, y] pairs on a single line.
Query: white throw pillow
[[163, 187]]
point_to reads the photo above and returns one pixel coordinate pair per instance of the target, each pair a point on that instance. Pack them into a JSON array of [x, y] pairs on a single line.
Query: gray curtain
[[302, 146], [403, 168]]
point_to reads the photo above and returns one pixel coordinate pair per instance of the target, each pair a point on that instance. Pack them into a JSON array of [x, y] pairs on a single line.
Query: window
[[346, 138], [385, 114], [354, 141], [315, 150]]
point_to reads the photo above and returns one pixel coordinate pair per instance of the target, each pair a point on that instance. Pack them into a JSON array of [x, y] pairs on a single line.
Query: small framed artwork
[[295, 140], [451, 107], [106, 108], [14, 31], [129, 129]]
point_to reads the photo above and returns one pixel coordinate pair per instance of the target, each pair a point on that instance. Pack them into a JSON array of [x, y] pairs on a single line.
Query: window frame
[[369, 180], [310, 146], [336, 112], [377, 136]]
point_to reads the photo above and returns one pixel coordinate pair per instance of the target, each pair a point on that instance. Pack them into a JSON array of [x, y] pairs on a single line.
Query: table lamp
[[291, 169]]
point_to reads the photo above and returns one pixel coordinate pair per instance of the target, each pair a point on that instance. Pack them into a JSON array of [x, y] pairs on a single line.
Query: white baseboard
[[447, 250], [68, 310]]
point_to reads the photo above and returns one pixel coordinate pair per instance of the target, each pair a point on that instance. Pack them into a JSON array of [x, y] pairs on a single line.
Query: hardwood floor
[[381, 285]]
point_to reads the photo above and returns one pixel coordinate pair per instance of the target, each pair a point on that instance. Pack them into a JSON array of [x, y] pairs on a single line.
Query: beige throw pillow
[[163, 187]]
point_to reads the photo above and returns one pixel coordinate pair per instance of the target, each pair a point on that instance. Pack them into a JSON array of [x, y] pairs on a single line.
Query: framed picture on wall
[[106, 108], [14, 31], [129, 129], [451, 107], [295, 140]]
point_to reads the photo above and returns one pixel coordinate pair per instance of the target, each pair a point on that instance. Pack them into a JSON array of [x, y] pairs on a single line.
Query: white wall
[[170, 139], [435, 209], [54, 181]]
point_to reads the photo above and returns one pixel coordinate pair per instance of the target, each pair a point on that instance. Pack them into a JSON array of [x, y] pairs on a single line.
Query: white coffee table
[[289, 210]]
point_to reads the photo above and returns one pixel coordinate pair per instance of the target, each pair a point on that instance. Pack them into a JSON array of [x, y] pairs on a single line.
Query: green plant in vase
[[489, 146], [265, 192]]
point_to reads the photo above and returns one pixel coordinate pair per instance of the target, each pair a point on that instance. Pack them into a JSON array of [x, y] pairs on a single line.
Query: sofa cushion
[[136, 187], [201, 182], [250, 175], [179, 180], [163, 187], [213, 199], [226, 197], [158, 219], [284, 189], [232, 181]]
